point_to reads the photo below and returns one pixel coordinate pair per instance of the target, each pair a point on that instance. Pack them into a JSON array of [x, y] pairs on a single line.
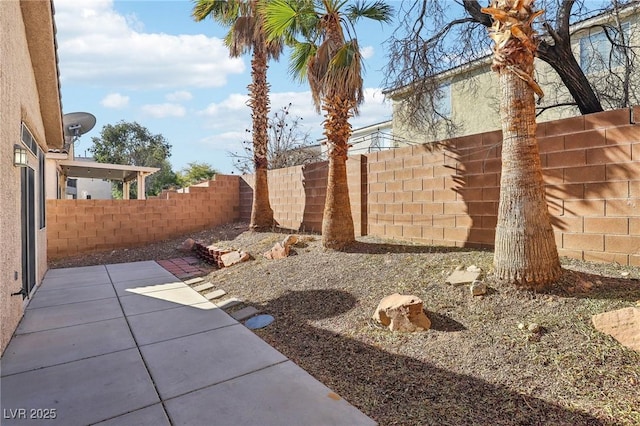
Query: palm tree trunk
[[525, 248], [337, 222], [261, 212]]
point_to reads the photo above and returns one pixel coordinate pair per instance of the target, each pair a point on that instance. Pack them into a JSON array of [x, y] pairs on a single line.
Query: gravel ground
[[475, 366]]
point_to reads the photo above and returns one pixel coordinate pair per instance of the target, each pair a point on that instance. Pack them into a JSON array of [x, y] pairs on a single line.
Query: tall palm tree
[[525, 249], [329, 58], [246, 34]]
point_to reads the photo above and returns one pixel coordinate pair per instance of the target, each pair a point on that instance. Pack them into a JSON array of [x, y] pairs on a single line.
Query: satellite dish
[[77, 124]]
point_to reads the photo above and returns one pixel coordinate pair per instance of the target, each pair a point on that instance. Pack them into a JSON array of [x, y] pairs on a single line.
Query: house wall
[[80, 226], [475, 95], [447, 193], [30, 96]]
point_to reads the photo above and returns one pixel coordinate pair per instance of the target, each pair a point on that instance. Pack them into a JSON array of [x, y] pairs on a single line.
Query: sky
[[148, 61]]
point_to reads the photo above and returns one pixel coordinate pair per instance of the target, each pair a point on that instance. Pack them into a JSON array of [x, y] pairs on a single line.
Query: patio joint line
[[144, 362], [70, 303], [64, 326], [66, 362], [133, 411], [233, 378], [186, 335]]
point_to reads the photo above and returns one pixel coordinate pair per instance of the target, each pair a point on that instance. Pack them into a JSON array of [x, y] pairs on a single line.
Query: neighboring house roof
[[94, 170], [41, 38]]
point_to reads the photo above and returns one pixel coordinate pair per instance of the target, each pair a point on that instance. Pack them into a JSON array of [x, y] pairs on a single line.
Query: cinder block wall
[[449, 195], [440, 194], [297, 195], [80, 226]]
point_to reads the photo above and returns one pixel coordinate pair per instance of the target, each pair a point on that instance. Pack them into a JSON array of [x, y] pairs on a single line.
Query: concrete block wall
[[448, 194], [441, 194], [80, 226]]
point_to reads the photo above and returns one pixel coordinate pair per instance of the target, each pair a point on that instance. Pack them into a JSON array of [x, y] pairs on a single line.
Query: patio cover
[[117, 172]]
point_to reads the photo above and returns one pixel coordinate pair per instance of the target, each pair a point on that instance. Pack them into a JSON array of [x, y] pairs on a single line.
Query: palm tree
[[525, 249], [329, 58], [246, 34]]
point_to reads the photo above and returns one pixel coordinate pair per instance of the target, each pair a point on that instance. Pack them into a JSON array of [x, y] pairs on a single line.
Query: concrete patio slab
[[82, 392], [129, 266], [142, 274], [67, 315], [181, 295], [136, 304], [123, 288], [149, 416], [172, 323], [71, 281], [110, 359], [65, 296], [293, 396], [80, 270], [207, 358], [51, 347]]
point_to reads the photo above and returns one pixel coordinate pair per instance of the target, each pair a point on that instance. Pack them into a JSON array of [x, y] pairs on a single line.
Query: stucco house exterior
[[470, 93], [31, 124]]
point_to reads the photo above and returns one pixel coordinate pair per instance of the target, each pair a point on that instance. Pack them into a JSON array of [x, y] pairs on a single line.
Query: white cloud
[[227, 120], [164, 110], [367, 52], [179, 96], [98, 46], [115, 101]]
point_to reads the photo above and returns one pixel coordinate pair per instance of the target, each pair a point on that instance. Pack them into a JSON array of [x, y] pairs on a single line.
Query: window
[[598, 53], [442, 101]]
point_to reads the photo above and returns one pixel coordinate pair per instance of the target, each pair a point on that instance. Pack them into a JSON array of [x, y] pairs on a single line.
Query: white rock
[[473, 268]]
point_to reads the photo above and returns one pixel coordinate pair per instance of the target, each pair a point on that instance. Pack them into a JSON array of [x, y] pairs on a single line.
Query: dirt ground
[[478, 364]]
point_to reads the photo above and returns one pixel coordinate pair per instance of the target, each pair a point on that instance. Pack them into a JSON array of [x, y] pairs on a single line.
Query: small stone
[[187, 245], [622, 324], [624, 274], [402, 313], [521, 326], [234, 257], [473, 268], [459, 268], [290, 240], [462, 277], [534, 328], [278, 251], [478, 288]]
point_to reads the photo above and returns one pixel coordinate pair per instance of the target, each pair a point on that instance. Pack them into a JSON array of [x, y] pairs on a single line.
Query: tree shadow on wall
[[392, 388]]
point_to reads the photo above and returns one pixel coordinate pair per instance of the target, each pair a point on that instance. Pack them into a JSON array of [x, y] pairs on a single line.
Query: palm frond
[[377, 11], [221, 11], [279, 17], [301, 53]]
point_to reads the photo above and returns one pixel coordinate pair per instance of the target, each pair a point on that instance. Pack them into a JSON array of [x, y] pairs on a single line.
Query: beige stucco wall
[[475, 95], [23, 100]]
